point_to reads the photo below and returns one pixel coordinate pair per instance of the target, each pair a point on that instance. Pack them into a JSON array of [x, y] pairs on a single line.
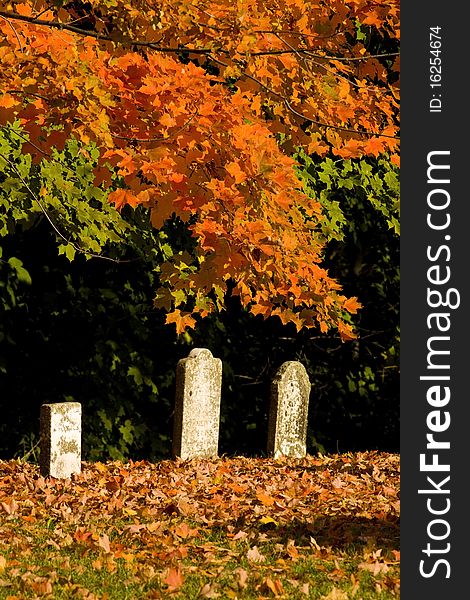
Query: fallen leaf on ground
[[174, 579], [254, 555]]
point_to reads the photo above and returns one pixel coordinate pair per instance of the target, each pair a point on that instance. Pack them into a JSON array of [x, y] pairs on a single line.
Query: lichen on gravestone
[[60, 439], [288, 413], [197, 405]]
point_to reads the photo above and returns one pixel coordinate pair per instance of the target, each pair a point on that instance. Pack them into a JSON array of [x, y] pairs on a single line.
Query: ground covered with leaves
[[323, 527]]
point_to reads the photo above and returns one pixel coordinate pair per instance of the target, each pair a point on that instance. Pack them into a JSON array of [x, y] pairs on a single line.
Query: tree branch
[[51, 222], [157, 139], [25, 139], [100, 37], [168, 49], [13, 29], [297, 114]]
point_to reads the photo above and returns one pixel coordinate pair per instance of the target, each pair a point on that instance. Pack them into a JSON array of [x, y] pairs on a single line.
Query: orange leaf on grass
[[174, 579], [103, 543], [275, 586], [255, 556], [184, 531], [242, 577], [10, 506]]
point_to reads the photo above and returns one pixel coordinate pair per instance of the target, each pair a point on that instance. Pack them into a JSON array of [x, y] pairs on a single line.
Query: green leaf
[[21, 273], [136, 374]]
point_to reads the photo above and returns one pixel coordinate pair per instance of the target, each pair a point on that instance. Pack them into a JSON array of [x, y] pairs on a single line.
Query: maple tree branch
[[168, 49], [44, 10], [354, 58], [98, 36], [309, 54], [310, 57], [339, 127], [51, 222], [14, 31], [299, 33], [24, 138], [296, 113], [157, 139], [24, 93]]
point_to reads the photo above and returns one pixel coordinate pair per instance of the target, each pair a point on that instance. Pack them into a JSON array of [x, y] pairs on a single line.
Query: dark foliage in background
[[86, 331]]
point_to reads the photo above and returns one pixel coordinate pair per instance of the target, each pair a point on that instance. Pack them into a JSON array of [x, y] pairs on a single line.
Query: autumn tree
[[195, 110]]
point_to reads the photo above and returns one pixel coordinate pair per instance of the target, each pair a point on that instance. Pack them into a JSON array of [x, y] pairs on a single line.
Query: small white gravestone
[[288, 413], [197, 406], [60, 441]]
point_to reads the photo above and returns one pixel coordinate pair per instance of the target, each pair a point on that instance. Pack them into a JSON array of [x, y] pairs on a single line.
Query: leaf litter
[[323, 527]]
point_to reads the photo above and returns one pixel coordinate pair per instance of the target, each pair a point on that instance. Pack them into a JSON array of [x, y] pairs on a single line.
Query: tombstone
[[60, 440], [197, 406], [288, 413]]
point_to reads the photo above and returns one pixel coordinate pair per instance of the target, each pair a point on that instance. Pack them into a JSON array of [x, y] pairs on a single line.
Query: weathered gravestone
[[288, 412], [197, 407], [60, 439]]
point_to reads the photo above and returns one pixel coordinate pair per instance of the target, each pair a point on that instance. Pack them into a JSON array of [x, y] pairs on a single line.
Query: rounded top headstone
[[200, 353]]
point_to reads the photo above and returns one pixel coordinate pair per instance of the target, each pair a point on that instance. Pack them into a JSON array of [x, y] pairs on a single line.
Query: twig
[[168, 49], [51, 222], [159, 139], [338, 127], [98, 36], [28, 94], [44, 10], [27, 140], [14, 31], [293, 111], [353, 58]]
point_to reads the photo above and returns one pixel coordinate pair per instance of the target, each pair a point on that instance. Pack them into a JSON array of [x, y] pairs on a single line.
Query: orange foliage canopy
[[197, 106]]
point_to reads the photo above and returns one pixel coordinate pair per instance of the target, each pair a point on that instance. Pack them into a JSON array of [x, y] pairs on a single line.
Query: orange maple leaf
[[181, 320], [7, 101], [174, 579], [264, 498], [235, 171], [352, 305]]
